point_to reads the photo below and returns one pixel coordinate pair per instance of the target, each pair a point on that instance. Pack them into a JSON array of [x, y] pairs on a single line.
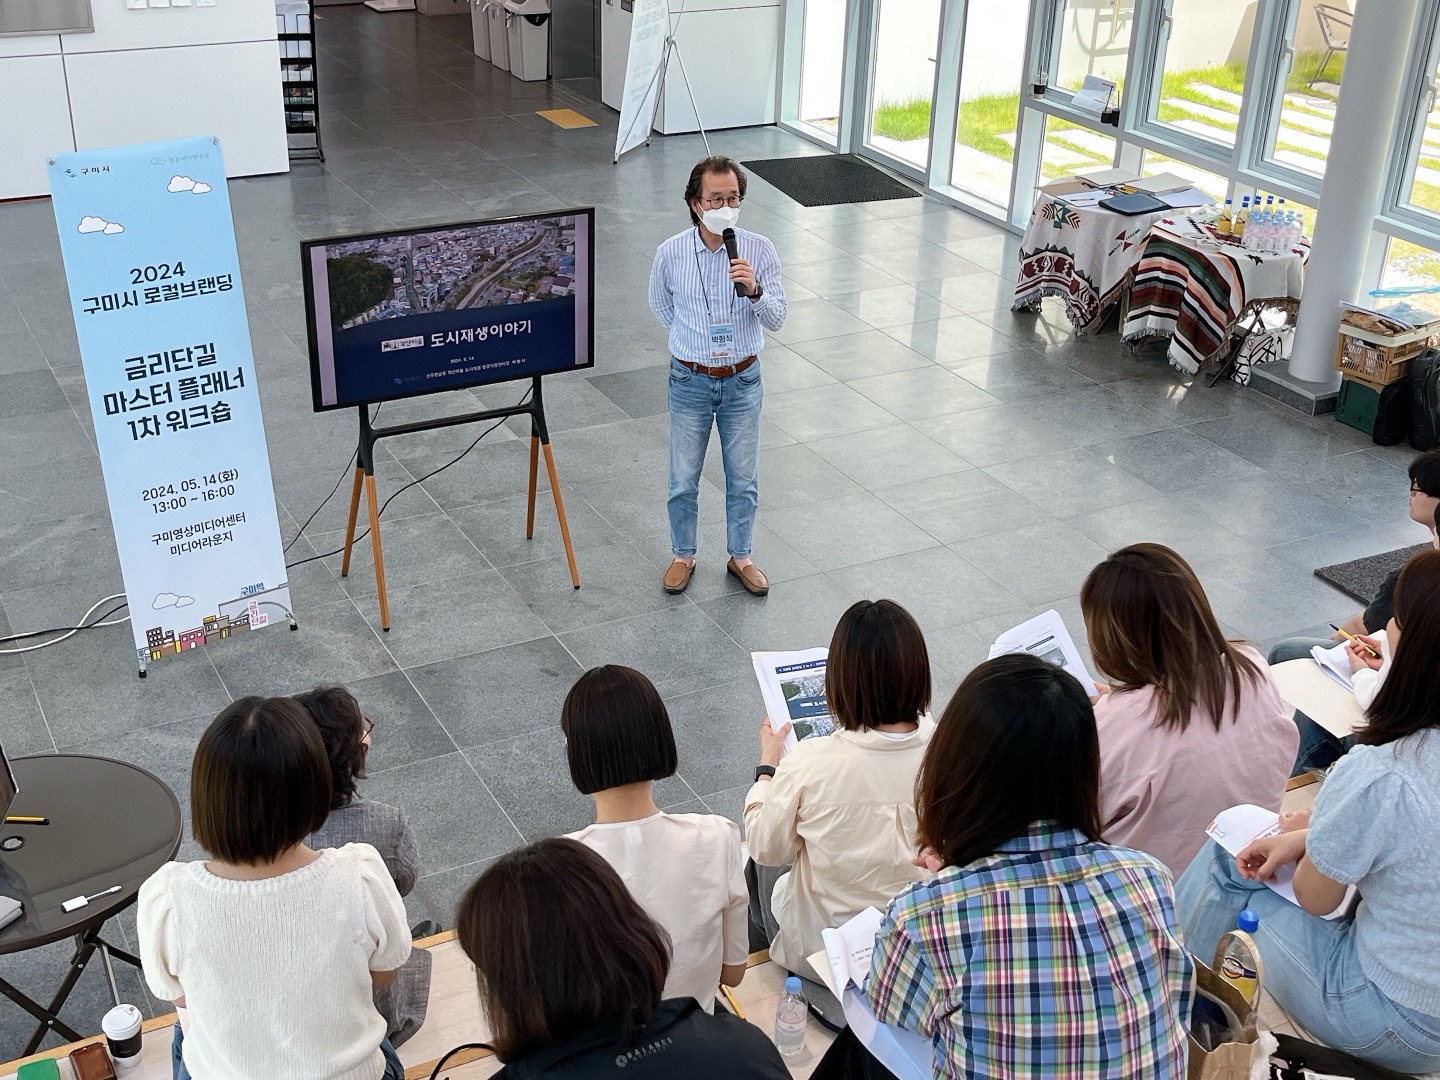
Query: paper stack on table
[[1185, 198], [843, 966], [1161, 183], [1109, 177]]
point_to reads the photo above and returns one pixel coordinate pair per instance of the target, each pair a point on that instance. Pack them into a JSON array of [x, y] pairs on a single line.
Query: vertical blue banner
[[154, 277]]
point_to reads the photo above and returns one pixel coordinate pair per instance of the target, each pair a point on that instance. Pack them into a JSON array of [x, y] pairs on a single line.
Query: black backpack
[[1424, 384], [1392, 414]]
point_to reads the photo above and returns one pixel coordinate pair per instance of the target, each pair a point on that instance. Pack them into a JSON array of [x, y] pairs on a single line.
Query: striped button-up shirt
[[1056, 957], [690, 288]]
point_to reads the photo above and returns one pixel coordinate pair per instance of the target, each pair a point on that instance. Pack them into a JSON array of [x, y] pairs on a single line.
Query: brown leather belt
[[718, 372]]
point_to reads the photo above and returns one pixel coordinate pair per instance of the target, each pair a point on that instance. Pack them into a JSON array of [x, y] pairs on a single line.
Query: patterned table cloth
[[1080, 255], [1195, 291]]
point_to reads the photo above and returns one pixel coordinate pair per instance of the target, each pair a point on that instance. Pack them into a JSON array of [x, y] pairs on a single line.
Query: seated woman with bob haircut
[[837, 814], [684, 869], [1035, 949], [1192, 724], [1369, 984], [570, 970], [271, 949]]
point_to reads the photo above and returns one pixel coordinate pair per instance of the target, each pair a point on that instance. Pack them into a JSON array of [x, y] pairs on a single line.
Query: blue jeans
[[393, 1069], [1318, 748], [732, 407], [1311, 966]]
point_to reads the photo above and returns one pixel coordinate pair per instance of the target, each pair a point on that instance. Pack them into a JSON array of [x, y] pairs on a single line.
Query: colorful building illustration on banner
[[233, 617]]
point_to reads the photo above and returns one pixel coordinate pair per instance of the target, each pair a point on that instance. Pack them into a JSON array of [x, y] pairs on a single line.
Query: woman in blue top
[[1368, 985]]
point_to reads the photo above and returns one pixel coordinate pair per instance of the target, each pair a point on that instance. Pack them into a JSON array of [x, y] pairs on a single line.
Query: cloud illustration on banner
[[92, 224], [170, 599], [184, 183]]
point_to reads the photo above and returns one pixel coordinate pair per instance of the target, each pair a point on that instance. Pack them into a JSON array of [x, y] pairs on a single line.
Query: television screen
[[418, 311]]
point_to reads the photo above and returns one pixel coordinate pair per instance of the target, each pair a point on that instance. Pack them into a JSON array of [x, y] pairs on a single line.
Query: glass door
[[822, 62], [991, 66], [901, 66]]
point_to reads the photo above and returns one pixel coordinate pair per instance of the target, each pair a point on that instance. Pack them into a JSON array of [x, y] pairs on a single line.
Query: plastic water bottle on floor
[[791, 1016]]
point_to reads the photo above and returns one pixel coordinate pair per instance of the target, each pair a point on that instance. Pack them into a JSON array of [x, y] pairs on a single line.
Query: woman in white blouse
[[839, 811], [684, 869]]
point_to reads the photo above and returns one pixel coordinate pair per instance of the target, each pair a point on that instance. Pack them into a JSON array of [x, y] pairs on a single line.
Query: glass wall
[[1306, 84], [990, 71], [1070, 148], [1410, 266], [1203, 52], [1213, 184], [1094, 39], [902, 68], [1234, 95], [1420, 182], [822, 59]]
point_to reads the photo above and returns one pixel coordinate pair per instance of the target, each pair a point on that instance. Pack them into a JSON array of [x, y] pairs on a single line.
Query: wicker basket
[[1377, 358]]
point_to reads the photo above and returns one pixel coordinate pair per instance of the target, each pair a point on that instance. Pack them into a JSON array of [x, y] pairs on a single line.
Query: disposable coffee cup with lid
[[122, 1035]]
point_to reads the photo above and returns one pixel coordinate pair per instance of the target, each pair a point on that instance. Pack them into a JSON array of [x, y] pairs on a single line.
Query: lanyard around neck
[[704, 289]]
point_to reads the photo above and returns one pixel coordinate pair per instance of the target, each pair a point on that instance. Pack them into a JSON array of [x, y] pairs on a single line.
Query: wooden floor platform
[[453, 1018]]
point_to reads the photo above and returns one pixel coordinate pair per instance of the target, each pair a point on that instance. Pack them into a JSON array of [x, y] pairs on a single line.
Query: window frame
[[1400, 218]]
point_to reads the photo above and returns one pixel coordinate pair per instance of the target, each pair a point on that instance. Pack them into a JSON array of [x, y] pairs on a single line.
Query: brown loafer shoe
[[755, 582], [677, 576]]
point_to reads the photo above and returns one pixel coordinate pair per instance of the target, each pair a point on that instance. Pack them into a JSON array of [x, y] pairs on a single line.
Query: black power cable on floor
[[326, 501], [401, 490]]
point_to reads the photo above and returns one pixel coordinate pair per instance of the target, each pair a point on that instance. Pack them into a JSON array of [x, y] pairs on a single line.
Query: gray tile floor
[[920, 442]]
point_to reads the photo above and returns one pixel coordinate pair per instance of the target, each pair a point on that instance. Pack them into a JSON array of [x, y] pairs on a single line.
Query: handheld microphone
[[733, 250]]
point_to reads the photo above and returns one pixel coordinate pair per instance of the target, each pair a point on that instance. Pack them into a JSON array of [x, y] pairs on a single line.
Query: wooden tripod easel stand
[[365, 477]]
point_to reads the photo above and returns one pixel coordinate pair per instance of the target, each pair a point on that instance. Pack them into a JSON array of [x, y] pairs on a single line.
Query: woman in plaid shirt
[[1036, 950]]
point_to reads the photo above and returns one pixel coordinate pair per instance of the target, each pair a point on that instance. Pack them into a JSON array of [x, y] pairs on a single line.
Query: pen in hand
[[1352, 637]]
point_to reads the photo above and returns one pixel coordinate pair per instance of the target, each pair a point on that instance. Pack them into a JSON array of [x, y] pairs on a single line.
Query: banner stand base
[[671, 47], [365, 480]]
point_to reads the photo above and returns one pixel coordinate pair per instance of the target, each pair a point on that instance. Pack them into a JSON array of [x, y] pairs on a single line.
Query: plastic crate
[[1357, 405], [1379, 359]]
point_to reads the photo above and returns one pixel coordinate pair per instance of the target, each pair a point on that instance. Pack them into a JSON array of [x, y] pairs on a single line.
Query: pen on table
[[734, 1005], [1352, 637], [25, 819]]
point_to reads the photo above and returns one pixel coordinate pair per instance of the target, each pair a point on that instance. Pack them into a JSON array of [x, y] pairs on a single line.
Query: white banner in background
[[649, 25]]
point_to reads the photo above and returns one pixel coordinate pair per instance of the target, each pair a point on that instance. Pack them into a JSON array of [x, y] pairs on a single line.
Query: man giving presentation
[[717, 304]]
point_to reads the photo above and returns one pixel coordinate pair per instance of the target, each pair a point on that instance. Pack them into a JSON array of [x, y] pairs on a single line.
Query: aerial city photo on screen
[[450, 270]]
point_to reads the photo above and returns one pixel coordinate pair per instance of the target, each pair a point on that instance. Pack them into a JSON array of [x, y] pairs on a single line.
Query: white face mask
[[717, 221]]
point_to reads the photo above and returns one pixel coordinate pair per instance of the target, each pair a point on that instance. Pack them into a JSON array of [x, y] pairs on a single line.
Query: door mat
[[1360, 579], [830, 179], [567, 118]]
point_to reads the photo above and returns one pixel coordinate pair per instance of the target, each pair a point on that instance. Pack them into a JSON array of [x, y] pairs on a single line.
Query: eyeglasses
[[369, 726], [717, 202]]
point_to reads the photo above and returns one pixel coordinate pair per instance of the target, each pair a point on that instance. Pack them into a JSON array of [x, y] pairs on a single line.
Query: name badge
[[722, 341]]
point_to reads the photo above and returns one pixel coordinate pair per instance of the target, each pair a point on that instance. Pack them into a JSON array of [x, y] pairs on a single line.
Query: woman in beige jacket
[[839, 811]]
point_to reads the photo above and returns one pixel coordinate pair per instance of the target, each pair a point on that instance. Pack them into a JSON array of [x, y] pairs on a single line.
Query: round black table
[[111, 823]]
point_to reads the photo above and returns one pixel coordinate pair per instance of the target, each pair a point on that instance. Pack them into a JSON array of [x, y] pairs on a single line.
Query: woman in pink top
[[1191, 723]]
